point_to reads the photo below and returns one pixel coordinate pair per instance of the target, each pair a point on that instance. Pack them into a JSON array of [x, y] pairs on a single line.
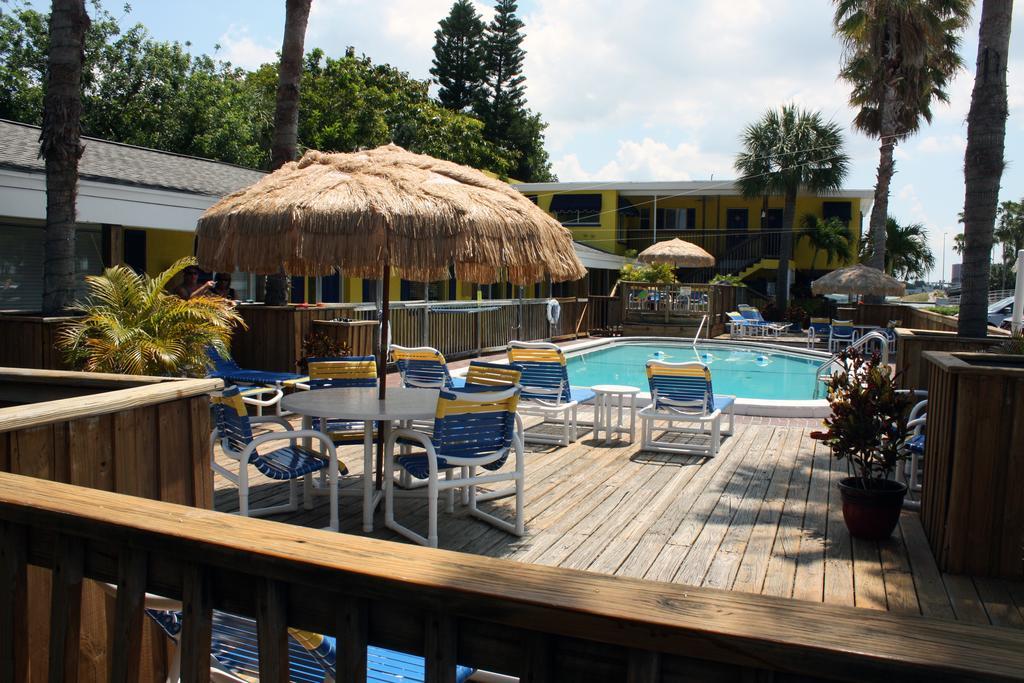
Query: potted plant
[[867, 428]]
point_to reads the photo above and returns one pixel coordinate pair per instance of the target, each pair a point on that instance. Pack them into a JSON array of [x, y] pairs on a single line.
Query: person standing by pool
[[190, 285], [222, 286]]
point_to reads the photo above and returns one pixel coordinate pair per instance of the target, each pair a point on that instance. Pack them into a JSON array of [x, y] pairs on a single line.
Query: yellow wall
[[164, 247]]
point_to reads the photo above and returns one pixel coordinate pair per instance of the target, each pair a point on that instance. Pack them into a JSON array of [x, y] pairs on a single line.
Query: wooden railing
[[539, 623]]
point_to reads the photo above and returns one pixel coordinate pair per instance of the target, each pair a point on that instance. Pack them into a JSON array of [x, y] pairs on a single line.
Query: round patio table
[[363, 405]]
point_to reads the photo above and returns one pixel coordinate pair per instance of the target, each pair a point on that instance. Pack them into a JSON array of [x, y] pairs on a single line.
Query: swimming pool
[[746, 371]]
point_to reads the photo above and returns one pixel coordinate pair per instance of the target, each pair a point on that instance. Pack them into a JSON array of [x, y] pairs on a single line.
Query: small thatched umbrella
[[385, 209], [858, 280], [678, 253]]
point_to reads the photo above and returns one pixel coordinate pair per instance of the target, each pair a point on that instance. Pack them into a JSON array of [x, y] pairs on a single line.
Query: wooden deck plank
[[718, 566], [809, 583], [781, 574], [763, 516], [753, 566], [931, 591]]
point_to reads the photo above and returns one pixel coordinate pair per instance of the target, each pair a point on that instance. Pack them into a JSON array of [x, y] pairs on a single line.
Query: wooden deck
[[762, 517]]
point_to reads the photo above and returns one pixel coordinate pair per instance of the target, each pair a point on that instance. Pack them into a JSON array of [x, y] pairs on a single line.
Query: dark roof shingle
[[114, 162]]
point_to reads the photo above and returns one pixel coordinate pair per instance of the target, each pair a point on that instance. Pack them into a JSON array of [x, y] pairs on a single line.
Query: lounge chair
[[682, 392], [841, 333], [911, 470], [818, 331], [546, 389], [471, 429], [229, 371], [740, 326], [312, 658], [765, 327], [290, 463], [421, 366]]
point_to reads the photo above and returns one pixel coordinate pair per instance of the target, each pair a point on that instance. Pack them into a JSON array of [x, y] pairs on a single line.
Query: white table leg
[[632, 418], [332, 479], [368, 476]]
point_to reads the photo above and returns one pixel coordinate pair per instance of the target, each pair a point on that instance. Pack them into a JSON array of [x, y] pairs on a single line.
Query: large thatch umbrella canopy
[[678, 253], [858, 279], [386, 207]]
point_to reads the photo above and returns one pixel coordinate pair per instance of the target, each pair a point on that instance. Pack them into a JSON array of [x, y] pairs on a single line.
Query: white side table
[[614, 399]]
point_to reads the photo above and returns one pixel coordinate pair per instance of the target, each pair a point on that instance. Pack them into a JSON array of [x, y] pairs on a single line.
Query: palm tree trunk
[[284, 147], [983, 163], [880, 209], [785, 251], [60, 144]]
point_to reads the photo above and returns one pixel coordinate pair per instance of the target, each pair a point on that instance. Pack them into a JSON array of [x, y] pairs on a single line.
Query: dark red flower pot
[[871, 512]]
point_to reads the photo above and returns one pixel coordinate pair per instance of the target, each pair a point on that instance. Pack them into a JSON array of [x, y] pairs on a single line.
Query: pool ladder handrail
[[697, 336], [824, 370]]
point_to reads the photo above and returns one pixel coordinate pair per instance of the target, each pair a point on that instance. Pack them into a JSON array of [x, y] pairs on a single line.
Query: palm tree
[[899, 57], [132, 325], [907, 254], [958, 243], [983, 163], [787, 150], [284, 147], [60, 144], [1010, 229], [831, 236]]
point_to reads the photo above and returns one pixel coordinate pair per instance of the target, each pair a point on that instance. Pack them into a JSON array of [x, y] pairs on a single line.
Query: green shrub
[[944, 310]]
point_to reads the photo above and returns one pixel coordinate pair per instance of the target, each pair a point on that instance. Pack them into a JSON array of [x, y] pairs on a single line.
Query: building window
[[841, 210], [21, 264], [577, 209], [670, 219]]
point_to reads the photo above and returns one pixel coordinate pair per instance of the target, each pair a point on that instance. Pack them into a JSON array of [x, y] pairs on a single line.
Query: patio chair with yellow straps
[[233, 428], [421, 367], [546, 389], [682, 392], [471, 429]]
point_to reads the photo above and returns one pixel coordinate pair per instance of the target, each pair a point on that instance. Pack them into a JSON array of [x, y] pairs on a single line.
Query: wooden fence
[[536, 622], [143, 436], [911, 317], [273, 340], [29, 341], [971, 504], [913, 371]]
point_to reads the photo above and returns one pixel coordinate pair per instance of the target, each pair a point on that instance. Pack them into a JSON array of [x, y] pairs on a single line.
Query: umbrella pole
[[382, 367]]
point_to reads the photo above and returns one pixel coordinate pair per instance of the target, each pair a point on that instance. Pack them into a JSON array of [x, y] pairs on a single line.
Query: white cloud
[[940, 144], [241, 49], [648, 160]]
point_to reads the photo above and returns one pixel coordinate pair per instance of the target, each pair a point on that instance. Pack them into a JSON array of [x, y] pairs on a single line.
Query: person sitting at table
[[222, 286], [190, 285]]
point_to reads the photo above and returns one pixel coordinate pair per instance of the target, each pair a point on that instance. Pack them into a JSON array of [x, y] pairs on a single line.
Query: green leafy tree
[[1009, 229], [907, 254], [899, 57], [832, 236], [786, 150], [502, 103], [983, 163], [458, 66], [653, 273], [132, 325]]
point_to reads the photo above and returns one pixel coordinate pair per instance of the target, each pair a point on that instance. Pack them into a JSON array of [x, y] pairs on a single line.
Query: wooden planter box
[[143, 436], [972, 508], [356, 335], [274, 339], [29, 341], [911, 344]]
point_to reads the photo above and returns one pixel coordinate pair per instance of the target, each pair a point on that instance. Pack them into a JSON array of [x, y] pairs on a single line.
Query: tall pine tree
[[502, 106], [458, 66]]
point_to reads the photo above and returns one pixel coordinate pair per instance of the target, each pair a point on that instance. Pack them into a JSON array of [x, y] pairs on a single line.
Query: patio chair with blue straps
[[682, 392], [762, 325], [312, 658], [818, 331], [345, 372], [233, 428], [842, 333], [911, 470], [546, 390], [421, 367], [472, 429], [260, 388], [740, 326]]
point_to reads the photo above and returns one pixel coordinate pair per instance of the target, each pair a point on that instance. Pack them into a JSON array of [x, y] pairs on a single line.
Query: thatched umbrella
[[382, 210], [858, 279], [678, 253]]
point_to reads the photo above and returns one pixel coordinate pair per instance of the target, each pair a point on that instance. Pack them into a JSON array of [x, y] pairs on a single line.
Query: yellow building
[[743, 234]]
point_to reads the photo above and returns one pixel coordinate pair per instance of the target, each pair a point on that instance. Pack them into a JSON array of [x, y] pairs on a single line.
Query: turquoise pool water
[[744, 372]]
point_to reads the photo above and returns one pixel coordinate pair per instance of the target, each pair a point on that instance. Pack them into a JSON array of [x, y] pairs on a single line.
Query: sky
[[647, 89]]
